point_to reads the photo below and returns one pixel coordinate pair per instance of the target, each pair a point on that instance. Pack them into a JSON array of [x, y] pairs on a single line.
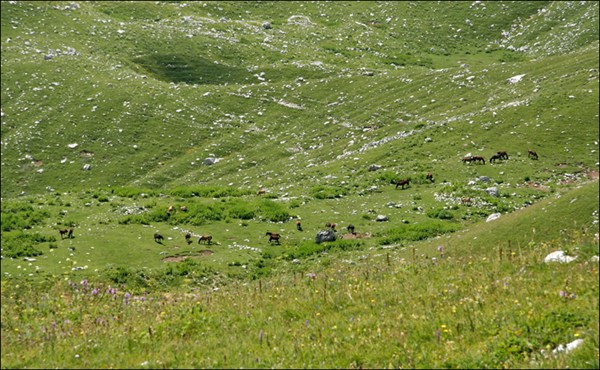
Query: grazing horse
[[299, 225], [401, 183], [205, 238], [467, 159], [350, 228], [67, 232], [158, 238], [273, 237], [495, 157], [429, 176], [503, 155], [478, 159], [331, 225], [532, 154], [188, 238], [261, 191]]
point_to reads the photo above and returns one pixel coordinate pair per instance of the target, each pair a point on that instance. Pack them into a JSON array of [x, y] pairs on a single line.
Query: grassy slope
[[182, 83]]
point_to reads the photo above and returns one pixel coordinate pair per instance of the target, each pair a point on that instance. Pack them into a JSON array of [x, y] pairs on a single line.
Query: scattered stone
[[559, 256]]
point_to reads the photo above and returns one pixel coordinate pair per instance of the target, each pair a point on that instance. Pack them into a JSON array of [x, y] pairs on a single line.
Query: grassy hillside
[[112, 112]]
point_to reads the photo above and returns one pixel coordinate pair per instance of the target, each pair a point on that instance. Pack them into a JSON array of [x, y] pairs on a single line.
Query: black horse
[[495, 157], [532, 154], [350, 229], [158, 238], [503, 155]]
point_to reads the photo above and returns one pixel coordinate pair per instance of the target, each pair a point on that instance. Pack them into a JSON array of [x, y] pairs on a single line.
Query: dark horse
[[205, 238], [273, 237], [478, 158], [350, 228], [158, 238], [495, 157], [67, 232], [503, 155], [532, 154], [188, 238], [401, 183], [299, 225], [429, 177]]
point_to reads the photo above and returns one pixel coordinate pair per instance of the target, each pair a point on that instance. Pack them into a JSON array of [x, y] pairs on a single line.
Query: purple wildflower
[[126, 297]]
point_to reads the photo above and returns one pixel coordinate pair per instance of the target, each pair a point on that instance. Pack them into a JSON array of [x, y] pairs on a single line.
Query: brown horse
[[299, 225], [429, 176], [67, 232], [401, 183], [478, 159], [261, 191], [273, 237], [467, 159], [532, 154], [205, 238], [158, 238], [331, 225]]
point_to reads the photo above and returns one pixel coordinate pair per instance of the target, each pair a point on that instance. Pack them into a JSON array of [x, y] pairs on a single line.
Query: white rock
[[493, 216], [558, 256]]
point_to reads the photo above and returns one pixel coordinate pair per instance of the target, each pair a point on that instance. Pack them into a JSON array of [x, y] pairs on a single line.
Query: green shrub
[[416, 232], [328, 192]]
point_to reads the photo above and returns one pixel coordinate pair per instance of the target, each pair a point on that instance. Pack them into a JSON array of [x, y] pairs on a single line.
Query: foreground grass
[[457, 304]]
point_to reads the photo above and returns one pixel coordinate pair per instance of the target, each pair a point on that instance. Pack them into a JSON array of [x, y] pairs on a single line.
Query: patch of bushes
[[21, 216], [208, 192], [441, 213], [328, 192], [20, 244], [416, 232]]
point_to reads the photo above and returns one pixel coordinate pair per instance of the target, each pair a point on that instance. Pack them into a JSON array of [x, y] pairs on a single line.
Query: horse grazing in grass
[[299, 225], [495, 157], [401, 183], [205, 238], [478, 159], [188, 238], [532, 154], [467, 159], [273, 237], [158, 238], [67, 232], [429, 177], [261, 191], [503, 155], [350, 229]]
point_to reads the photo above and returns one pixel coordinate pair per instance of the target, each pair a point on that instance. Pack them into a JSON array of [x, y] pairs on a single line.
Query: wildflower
[[95, 291], [126, 297], [563, 294], [84, 284]]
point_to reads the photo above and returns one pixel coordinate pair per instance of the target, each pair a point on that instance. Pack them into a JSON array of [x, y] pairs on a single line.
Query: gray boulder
[[325, 236]]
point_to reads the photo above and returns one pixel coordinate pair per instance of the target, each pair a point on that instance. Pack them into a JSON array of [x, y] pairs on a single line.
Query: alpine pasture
[[151, 151]]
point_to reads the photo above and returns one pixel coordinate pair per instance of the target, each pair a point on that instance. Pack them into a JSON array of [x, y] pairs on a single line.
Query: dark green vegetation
[[111, 112]]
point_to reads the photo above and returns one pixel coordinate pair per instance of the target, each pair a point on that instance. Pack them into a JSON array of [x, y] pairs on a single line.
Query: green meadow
[[249, 117]]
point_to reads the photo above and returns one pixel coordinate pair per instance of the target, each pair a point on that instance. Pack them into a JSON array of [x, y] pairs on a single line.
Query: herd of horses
[[275, 237], [502, 155]]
